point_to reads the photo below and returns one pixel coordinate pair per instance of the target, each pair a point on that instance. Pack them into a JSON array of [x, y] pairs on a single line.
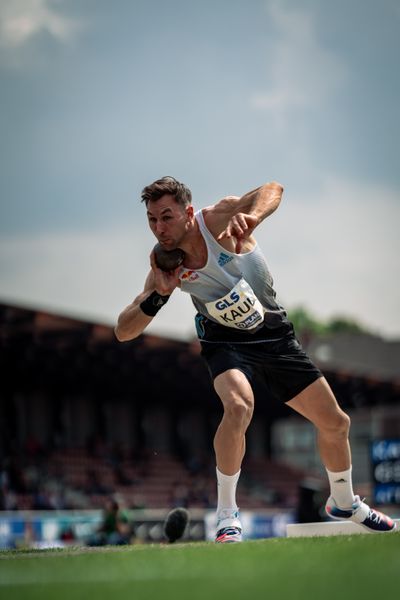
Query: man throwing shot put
[[245, 335]]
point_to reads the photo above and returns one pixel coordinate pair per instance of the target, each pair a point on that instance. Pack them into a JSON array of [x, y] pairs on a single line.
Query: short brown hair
[[167, 185]]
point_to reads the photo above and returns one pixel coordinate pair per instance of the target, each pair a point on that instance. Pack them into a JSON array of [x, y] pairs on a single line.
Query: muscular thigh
[[317, 403], [233, 386]]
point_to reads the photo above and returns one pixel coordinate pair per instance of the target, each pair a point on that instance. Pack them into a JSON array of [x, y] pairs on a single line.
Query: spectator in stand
[[115, 528]]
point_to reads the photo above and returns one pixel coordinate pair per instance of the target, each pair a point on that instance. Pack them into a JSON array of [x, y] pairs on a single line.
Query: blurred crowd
[[38, 478], [84, 418]]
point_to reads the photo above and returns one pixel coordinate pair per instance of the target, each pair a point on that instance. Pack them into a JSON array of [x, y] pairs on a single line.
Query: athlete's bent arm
[[134, 319], [238, 217]]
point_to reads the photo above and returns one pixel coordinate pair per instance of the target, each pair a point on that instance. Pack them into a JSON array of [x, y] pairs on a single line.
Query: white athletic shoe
[[362, 514], [229, 527]]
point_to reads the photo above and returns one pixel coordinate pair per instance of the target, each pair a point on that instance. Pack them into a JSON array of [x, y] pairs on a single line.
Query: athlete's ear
[[189, 211]]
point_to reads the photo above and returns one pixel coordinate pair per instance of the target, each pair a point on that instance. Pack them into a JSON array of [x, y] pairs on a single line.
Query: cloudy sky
[[99, 98]]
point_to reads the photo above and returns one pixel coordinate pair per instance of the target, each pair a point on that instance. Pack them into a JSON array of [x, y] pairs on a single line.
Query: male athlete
[[245, 335]]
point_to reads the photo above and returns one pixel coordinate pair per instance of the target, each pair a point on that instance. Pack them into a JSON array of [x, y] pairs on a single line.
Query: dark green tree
[[305, 323]]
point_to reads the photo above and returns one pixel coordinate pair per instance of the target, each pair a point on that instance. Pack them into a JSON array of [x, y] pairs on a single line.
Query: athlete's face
[[168, 220]]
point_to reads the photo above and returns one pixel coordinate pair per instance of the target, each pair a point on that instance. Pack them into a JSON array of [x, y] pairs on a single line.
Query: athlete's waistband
[[213, 333]]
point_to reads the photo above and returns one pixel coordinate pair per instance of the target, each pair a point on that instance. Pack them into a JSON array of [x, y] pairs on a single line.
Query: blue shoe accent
[[337, 513]]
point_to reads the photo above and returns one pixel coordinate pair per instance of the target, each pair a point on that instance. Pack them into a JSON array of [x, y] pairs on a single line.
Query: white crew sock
[[226, 488], [341, 488]]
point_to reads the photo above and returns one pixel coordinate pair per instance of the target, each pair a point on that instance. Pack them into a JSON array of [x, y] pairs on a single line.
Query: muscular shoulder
[[216, 219], [228, 205], [217, 215]]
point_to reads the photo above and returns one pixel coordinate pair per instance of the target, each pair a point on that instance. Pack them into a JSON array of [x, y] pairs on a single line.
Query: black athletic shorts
[[279, 363]]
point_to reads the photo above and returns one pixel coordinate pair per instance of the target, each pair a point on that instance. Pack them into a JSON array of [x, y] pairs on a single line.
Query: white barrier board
[[327, 528]]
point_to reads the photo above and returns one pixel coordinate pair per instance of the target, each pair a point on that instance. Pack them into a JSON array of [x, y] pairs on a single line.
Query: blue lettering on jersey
[[222, 304]]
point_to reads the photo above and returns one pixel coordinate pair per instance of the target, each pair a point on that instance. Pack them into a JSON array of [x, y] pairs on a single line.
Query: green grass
[[363, 567]]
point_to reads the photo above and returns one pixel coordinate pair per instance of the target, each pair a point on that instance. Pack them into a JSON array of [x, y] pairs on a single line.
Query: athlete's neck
[[195, 248]]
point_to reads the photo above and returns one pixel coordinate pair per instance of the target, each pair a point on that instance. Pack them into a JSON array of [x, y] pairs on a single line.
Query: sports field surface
[[363, 567]]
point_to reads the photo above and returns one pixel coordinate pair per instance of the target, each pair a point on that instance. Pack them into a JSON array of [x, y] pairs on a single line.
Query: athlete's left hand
[[164, 281], [241, 227]]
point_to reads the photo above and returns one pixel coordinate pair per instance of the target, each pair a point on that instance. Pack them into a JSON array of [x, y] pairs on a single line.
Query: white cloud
[[21, 20], [301, 71], [339, 253]]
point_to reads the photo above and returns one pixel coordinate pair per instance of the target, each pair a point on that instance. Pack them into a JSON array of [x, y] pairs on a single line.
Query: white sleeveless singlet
[[233, 290]]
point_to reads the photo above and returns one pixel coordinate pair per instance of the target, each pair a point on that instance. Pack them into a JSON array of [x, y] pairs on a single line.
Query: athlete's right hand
[[164, 281], [241, 227]]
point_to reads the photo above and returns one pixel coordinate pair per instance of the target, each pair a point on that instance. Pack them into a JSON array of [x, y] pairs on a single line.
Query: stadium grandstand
[[84, 418]]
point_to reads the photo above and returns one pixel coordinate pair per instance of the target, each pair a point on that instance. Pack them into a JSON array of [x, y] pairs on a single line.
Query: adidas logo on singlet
[[223, 259]]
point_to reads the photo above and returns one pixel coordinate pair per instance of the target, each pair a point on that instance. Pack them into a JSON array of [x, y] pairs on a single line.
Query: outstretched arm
[[134, 319], [238, 217]]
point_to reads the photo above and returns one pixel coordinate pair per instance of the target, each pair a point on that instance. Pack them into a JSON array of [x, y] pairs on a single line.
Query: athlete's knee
[[238, 408], [337, 425]]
